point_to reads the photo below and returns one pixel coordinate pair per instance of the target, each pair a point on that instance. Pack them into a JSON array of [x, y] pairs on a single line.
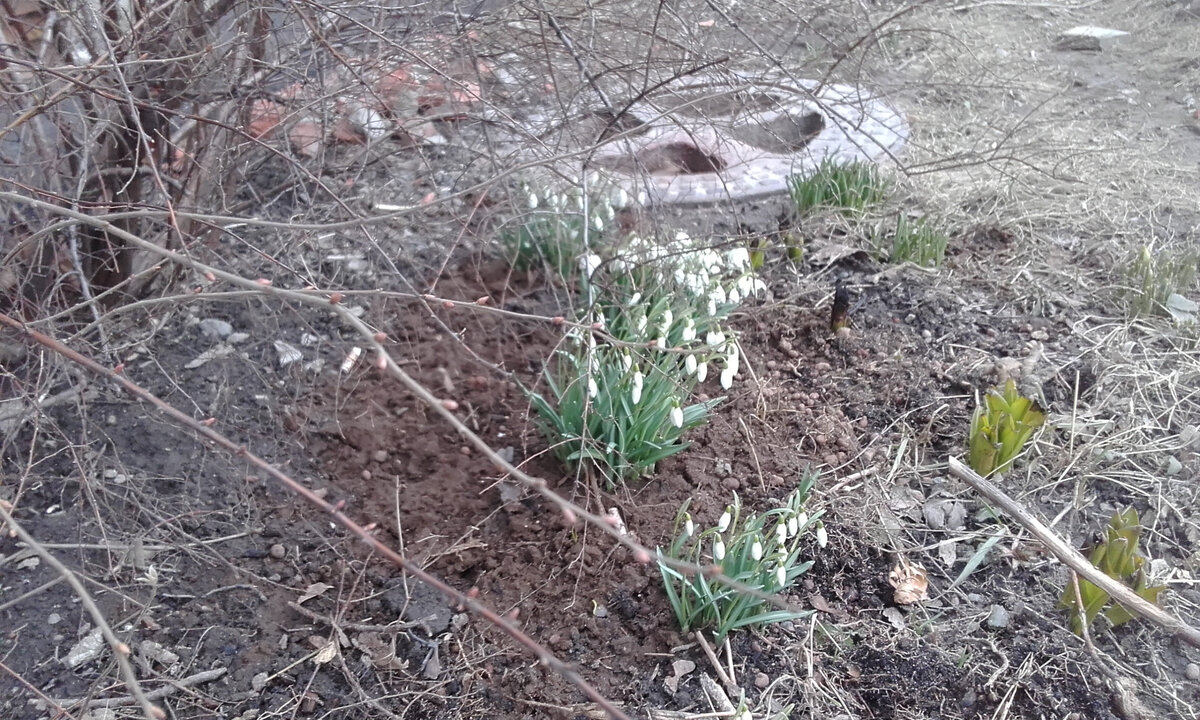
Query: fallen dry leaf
[[911, 582], [312, 591]]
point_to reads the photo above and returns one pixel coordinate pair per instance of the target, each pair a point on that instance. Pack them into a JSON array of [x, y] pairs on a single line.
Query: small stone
[[215, 328], [1192, 672], [53, 619], [379, 456], [761, 681], [998, 617], [366, 474], [785, 345], [259, 681], [111, 419], [237, 337], [278, 551], [109, 474]]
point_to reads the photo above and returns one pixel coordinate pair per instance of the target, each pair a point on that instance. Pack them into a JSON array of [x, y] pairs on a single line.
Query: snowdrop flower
[[677, 416], [533, 201], [635, 298], [641, 324], [593, 390], [598, 223], [822, 536], [731, 360], [689, 331], [738, 258], [620, 198], [756, 550], [667, 320], [715, 339], [627, 360], [681, 236], [636, 395], [781, 575], [701, 372], [723, 523], [689, 527], [793, 527], [781, 535], [718, 550], [733, 296], [727, 378], [689, 364], [712, 306], [718, 294]]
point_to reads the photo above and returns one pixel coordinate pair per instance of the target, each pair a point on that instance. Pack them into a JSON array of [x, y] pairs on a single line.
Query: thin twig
[[170, 688], [119, 648], [1127, 598], [335, 511]]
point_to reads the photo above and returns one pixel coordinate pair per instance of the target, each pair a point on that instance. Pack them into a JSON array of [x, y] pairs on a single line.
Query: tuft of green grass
[[1119, 558], [848, 187], [1000, 427], [616, 416], [761, 552], [916, 241], [1155, 276]]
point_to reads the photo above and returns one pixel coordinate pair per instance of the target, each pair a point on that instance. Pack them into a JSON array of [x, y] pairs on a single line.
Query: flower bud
[[723, 523], [756, 550], [718, 550], [636, 395], [822, 536], [781, 575], [677, 416], [689, 364]]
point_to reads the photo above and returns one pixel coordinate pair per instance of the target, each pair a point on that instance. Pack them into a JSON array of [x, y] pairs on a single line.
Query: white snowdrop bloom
[[718, 550], [738, 258], [593, 178], [689, 331], [718, 293], [620, 198], [637, 298], [533, 201], [667, 320], [723, 523], [781, 533], [641, 323], [689, 364], [715, 339], [822, 536], [689, 527], [661, 342], [627, 361], [701, 372], [731, 360], [574, 234], [607, 210], [681, 236], [712, 306], [642, 198], [781, 575], [593, 390], [756, 550], [727, 378], [677, 416], [733, 296], [636, 394], [597, 222], [793, 526]]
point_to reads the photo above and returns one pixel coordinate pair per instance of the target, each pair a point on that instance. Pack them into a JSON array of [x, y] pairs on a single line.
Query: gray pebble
[[1192, 672], [998, 618], [278, 551]]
